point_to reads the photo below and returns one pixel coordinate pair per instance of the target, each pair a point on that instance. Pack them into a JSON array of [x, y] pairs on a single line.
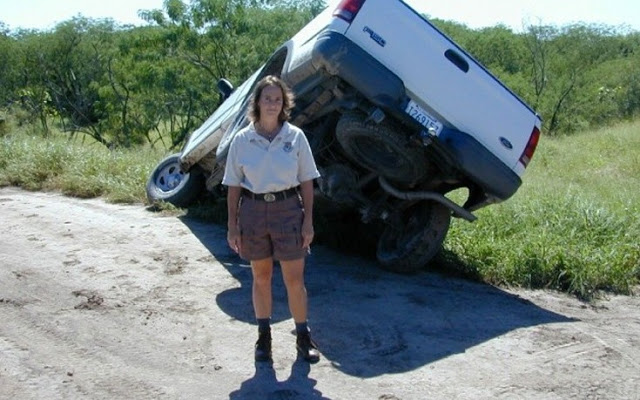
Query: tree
[[8, 73]]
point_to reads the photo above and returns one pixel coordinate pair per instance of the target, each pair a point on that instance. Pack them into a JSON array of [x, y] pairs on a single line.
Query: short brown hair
[[288, 99]]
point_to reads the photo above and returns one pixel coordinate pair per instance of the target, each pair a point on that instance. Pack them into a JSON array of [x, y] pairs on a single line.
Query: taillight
[[527, 155], [347, 9]]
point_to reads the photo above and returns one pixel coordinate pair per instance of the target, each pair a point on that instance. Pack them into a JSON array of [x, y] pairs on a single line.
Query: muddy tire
[[381, 148], [170, 184], [408, 247]]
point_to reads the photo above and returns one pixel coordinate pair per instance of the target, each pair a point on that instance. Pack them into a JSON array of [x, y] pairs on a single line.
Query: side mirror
[[225, 88]]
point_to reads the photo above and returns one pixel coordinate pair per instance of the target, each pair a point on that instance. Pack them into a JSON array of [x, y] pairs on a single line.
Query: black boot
[[307, 348], [263, 347]]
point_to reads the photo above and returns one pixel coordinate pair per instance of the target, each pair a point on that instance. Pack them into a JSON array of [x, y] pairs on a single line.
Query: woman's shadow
[[265, 385]]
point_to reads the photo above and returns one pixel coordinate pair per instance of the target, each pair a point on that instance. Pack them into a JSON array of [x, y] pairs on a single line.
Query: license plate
[[419, 114]]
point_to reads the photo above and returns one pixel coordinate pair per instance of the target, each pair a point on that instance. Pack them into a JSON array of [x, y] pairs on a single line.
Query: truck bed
[[445, 80]]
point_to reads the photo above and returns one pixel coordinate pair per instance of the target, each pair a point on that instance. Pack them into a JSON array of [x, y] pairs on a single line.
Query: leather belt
[[271, 197]]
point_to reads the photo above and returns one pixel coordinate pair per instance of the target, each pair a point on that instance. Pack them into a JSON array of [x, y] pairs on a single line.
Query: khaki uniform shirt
[[262, 166]]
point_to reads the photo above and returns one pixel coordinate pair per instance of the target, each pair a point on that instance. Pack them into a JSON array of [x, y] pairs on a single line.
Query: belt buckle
[[269, 197]]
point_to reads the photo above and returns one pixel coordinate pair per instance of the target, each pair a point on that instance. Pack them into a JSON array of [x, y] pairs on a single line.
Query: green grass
[[573, 226], [76, 169]]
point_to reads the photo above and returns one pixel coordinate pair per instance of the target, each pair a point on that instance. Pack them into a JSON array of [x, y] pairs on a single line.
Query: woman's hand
[[307, 234], [233, 238]]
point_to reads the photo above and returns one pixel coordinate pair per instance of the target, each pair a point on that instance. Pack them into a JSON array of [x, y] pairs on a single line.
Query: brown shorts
[[271, 229]]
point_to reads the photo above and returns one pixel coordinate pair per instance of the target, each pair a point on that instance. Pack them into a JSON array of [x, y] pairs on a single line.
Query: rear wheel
[[410, 244], [170, 184], [381, 148]]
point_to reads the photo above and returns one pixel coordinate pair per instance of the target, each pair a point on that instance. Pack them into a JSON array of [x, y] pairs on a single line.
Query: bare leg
[[293, 275], [262, 299]]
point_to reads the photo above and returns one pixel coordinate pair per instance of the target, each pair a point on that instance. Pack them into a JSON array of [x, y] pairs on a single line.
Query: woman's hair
[[288, 101]]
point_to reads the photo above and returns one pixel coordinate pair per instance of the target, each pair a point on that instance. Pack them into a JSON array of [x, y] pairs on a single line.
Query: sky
[[45, 14]]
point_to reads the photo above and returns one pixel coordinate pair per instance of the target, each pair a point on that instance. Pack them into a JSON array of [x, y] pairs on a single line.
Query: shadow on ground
[[265, 385], [369, 322]]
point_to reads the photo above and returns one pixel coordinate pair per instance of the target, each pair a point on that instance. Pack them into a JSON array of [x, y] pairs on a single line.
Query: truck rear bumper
[[497, 180]]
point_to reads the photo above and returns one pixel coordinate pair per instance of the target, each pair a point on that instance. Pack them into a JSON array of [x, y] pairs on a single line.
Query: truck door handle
[[457, 60]]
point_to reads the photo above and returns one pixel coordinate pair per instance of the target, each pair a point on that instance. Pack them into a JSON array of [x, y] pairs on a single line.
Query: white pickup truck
[[398, 116]]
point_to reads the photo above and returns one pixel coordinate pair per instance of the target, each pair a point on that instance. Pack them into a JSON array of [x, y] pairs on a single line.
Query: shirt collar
[[282, 135]]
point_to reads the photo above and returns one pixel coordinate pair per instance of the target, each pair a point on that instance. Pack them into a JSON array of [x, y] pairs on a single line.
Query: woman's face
[[270, 102]]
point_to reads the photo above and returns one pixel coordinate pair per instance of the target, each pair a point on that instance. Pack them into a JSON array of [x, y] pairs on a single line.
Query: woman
[[269, 174]]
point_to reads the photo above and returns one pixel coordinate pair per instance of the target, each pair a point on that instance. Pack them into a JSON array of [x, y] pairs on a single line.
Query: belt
[[271, 197]]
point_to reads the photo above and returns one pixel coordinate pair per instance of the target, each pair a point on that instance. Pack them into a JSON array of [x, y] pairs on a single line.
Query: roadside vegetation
[[89, 108], [573, 226]]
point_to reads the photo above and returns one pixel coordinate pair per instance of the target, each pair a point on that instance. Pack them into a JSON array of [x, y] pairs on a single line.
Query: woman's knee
[[294, 284], [262, 272], [293, 274], [262, 281]]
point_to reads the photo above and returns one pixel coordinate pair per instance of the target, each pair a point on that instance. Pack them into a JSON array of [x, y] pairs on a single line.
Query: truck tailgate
[[445, 80]]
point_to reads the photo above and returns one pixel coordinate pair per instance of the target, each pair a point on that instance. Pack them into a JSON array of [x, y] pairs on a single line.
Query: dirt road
[[103, 301]]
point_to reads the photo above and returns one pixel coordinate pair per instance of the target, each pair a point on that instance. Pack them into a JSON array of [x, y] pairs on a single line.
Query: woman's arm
[[233, 233], [306, 192]]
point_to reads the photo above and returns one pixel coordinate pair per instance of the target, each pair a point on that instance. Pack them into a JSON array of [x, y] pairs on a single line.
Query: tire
[[381, 148], [170, 184], [408, 248]]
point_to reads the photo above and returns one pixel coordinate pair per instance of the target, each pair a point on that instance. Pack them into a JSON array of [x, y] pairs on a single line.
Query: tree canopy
[[123, 84]]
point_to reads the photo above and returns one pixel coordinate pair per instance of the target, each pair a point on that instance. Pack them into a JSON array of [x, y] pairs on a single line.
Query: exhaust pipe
[[457, 210]]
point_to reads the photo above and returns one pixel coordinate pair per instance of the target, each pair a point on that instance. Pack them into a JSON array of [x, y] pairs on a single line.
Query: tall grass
[[573, 226], [74, 167]]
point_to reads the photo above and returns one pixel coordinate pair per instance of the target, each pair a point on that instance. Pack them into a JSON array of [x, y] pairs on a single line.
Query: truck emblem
[[376, 38], [506, 143]]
